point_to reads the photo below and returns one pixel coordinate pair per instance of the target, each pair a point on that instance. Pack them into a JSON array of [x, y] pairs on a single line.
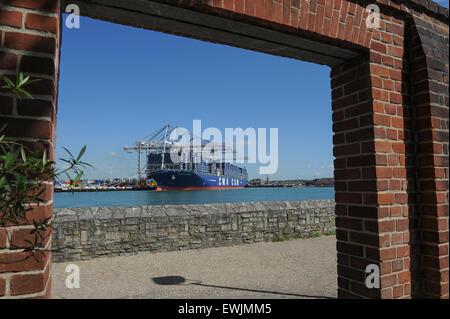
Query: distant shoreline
[[86, 190]]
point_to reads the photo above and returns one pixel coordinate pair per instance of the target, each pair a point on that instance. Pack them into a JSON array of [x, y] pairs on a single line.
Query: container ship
[[193, 174]]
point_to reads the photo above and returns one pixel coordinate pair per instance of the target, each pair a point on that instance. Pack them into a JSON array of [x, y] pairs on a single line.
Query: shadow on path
[[179, 280]]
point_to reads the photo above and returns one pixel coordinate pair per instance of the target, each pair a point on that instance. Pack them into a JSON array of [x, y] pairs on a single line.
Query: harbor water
[[144, 198]]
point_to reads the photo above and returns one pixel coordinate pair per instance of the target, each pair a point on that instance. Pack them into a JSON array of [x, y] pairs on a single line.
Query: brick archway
[[390, 119]]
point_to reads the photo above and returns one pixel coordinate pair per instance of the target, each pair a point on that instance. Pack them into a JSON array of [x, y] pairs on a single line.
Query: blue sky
[[443, 2], [118, 84]]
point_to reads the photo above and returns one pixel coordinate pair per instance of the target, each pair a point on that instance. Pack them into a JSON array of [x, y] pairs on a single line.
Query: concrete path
[[302, 268]]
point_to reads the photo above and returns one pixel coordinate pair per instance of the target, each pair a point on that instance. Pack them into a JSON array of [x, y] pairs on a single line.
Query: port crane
[[158, 142]]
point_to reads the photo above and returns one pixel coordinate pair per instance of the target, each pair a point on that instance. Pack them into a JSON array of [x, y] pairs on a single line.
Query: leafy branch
[[17, 87], [23, 174]]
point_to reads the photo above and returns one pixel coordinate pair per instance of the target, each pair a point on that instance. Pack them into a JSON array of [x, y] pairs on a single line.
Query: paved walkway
[[302, 268]]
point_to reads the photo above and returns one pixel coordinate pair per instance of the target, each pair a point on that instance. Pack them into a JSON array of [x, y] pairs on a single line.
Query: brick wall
[[30, 37], [429, 50], [390, 119]]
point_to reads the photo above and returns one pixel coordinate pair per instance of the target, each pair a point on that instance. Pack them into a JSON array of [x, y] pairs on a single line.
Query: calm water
[[143, 198]]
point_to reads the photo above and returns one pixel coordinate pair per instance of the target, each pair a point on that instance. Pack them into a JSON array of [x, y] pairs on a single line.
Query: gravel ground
[[301, 268]]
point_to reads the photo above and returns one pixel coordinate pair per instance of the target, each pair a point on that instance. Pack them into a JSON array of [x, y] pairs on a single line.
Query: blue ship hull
[[192, 180]]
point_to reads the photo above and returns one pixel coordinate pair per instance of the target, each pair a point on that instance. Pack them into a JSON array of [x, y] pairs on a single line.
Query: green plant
[[23, 172], [278, 239], [281, 238], [17, 87]]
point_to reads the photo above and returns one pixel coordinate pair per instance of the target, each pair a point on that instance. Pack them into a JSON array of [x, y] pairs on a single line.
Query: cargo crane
[[155, 141], [158, 142]]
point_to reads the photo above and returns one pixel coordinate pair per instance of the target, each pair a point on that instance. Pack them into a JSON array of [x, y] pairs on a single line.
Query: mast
[[164, 148], [139, 160]]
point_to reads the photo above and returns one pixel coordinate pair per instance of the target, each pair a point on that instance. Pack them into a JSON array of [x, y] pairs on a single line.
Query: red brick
[[311, 22], [384, 172], [398, 292], [402, 224], [388, 253], [398, 40], [386, 293], [349, 223], [259, 8], [404, 277], [400, 172], [352, 198], [3, 238], [377, 82], [382, 147], [6, 105], [392, 160], [386, 226], [395, 51], [403, 251], [47, 192], [394, 184], [363, 212], [358, 161], [38, 213], [23, 261], [395, 74], [397, 122], [8, 61], [378, 47], [42, 5], [395, 98], [47, 294], [399, 148], [381, 95], [11, 18], [385, 199], [228, 5], [268, 8], [30, 42], [386, 37], [42, 87], [294, 17], [388, 281], [22, 284], [348, 149], [379, 70], [2, 286], [397, 238], [21, 238], [364, 238], [334, 24], [41, 23], [27, 128], [35, 107], [319, 19]]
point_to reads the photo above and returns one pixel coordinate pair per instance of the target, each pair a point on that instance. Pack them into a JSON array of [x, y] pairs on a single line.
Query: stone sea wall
[[85, 233]]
